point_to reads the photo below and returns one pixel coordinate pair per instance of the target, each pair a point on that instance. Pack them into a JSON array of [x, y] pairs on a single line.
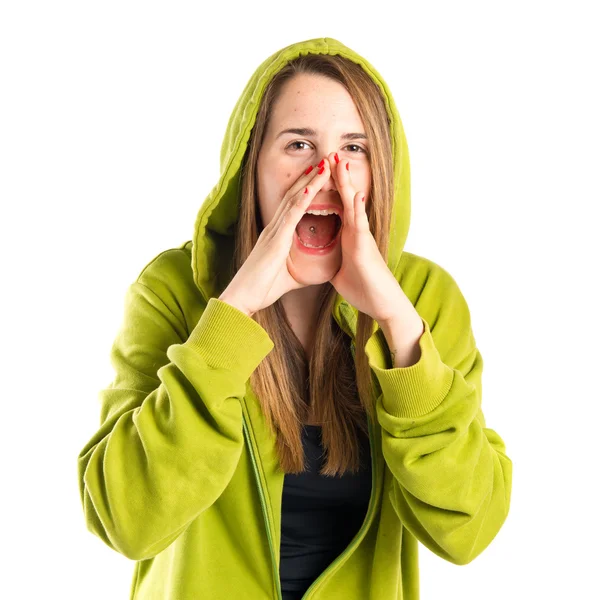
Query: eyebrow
[[307, 131]]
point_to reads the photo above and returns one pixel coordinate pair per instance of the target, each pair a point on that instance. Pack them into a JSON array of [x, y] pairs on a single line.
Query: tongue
[[317, 230]]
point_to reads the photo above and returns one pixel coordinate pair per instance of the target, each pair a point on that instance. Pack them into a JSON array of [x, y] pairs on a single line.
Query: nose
[[329, 185]]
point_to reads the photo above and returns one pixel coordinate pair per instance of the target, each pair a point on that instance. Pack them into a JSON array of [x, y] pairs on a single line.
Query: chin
[[314, 270]]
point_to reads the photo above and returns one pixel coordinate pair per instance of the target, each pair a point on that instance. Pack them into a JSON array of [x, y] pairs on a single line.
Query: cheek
[[364, 182], [271, 191], [276, 175]]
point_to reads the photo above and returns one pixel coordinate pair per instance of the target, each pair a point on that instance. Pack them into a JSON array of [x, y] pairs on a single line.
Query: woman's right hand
[[264, 277]]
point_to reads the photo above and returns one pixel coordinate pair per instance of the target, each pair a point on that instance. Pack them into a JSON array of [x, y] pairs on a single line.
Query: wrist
[[233, 302]]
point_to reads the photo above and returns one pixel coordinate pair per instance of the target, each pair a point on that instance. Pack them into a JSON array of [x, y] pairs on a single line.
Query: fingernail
[[308, 170], [347, 166], [321, 170], [363, 198], [321, 163], [306, 190], [337, 160]]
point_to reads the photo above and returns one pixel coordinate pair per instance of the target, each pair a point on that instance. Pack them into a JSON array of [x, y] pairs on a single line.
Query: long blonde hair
[[337, 386]]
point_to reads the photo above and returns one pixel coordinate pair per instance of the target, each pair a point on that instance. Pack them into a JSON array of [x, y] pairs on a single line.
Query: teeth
[[311, 246], [324, 212]]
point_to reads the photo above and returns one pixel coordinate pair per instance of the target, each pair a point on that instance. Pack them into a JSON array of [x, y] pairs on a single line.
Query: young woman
[[297, 400]]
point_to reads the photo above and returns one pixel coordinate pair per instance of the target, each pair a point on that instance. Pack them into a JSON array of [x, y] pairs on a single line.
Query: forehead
[[314, 101]]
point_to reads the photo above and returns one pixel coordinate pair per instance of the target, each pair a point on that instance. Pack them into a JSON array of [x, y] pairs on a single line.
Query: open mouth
[[318, 231]]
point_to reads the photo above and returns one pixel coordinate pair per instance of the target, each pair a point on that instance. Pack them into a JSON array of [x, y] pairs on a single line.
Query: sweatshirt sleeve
[[171, 430], [452, 477]]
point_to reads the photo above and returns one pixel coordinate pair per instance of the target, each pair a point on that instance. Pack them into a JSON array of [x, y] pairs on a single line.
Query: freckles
[[288, 175]]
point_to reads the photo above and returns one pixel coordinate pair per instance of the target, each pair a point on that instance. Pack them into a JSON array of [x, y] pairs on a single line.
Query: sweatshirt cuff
[[227, 338], [417, 389]]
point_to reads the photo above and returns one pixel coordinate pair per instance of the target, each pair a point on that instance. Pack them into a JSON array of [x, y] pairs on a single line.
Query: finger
[[292, 196], [346, 190], [361, 217], [294, 207]]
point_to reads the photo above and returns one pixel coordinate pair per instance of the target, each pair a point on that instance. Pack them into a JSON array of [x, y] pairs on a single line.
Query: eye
[[294, 143], [356, 146], [294, 146]]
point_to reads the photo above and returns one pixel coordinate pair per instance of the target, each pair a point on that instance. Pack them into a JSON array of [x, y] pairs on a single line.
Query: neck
[[301, 305]]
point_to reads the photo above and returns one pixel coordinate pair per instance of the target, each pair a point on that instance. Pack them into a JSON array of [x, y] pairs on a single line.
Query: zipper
[[319, 580], [350, 546], [353, 543], [264, 509]]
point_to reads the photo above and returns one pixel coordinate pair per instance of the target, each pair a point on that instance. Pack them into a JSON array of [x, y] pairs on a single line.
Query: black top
[[320, 515]]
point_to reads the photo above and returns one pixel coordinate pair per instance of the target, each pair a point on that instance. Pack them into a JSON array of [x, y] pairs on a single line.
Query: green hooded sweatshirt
[[182, 475]]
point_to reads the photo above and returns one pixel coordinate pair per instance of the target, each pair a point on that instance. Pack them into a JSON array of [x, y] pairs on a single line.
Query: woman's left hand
[[364, 279]]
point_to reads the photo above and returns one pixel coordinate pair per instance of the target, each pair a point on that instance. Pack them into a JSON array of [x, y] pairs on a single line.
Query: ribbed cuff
[[417, 389], [227, 338]]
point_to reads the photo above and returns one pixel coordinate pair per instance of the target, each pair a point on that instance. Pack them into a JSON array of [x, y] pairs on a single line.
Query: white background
[[111, 121]]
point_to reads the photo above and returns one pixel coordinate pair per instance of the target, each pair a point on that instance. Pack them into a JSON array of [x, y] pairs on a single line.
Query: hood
[[213, 241]]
